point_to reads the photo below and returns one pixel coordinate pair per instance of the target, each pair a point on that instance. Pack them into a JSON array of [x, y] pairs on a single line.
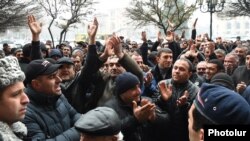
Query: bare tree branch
[[156, 12], [14, 14], [236, 8]]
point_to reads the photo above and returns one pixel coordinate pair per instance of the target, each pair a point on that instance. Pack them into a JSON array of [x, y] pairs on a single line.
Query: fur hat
[[101, 121], [10, 71], [221, 105], [125, 81]]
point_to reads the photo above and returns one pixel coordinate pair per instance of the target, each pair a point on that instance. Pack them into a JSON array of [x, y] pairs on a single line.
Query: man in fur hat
[[13, 100]]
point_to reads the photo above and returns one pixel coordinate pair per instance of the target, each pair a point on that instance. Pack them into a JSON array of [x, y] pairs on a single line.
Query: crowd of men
[[163, 90]]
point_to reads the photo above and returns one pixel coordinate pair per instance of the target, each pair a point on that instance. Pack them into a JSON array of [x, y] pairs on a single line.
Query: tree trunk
[[51, 35], [61, 35], [64, 35]]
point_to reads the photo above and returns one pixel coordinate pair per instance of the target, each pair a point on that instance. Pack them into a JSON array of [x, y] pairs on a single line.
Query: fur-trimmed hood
[[14, 132]]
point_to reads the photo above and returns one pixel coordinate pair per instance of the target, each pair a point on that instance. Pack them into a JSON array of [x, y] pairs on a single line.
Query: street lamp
[[211, 6]]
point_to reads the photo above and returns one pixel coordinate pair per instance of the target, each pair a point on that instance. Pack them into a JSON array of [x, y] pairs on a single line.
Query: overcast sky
[[109, 4]]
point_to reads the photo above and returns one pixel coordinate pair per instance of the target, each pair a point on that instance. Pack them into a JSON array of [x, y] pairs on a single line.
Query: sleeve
[[175, 47], [193, 34], [35, 52], [91, 66], [131, 66], [144, 53], [36, 133], [155, 45]]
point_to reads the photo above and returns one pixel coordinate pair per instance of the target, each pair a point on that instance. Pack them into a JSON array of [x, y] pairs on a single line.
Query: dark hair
[[165, 50], [199, 121], [2, 91], [190, 65], [220, 66], [5, 45], [26, 50], [248, 52]]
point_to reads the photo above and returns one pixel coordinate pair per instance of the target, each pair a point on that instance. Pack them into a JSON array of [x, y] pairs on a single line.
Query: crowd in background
[[156, 90]]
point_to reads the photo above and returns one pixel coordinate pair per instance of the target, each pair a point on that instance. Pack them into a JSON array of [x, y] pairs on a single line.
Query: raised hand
[[144, 112], [35, 27], [92, 29], [194, 24], [144, 36], [172, 25], [109, 49], [152, 114], [117, 46], [183, 99], [159, 37], [165, 91], [148, 78], [192, 50], [170, 36], [241, 87]]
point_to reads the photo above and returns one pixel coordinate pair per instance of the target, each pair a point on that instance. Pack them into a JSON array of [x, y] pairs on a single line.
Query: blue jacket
[[50, 118]]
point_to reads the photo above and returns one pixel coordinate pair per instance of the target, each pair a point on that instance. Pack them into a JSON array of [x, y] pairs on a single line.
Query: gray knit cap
[[10, 71]]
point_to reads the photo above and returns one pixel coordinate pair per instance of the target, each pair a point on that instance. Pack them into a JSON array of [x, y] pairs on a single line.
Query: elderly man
[[231, 62], [201, 68], [13, 100]]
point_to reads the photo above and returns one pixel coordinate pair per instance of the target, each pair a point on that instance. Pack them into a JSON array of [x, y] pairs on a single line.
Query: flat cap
[[101, 121]]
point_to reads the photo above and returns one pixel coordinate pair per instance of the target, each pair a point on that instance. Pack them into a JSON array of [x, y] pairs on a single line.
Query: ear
[[157, 59], [201, 135], [35, 84], [114, 138]]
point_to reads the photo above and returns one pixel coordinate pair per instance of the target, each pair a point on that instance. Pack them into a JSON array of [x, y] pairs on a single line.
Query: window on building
[[229, 25], [247, 25], [237, 25]]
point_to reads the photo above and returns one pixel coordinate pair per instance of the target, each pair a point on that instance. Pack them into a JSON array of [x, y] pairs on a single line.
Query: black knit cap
[[125, 81], [223, 79], [101, 121]]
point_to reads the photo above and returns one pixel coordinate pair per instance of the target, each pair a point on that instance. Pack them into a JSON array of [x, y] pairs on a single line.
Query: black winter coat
[[50, 118]]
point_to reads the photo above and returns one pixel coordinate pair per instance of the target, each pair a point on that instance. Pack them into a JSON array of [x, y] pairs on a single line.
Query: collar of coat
[[10, 133]]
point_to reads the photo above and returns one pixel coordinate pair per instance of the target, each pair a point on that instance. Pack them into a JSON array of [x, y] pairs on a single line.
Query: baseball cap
[[39, 67]]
